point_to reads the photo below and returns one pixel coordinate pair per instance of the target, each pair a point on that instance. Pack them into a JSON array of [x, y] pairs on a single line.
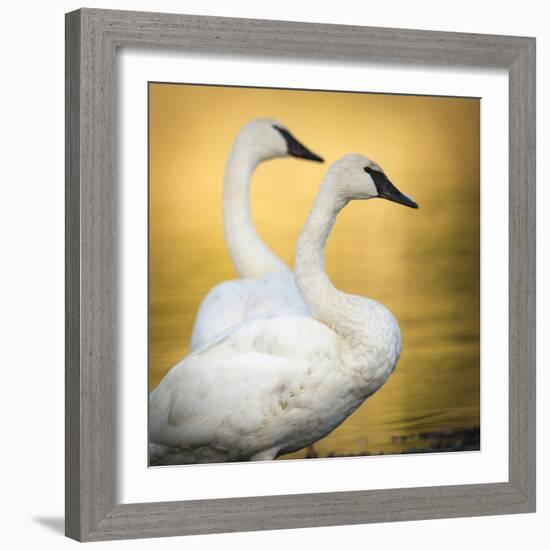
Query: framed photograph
[[300, 275]]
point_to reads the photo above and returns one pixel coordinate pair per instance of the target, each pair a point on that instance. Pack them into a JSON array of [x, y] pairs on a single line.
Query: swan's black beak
[[387, 190], [295, 148]]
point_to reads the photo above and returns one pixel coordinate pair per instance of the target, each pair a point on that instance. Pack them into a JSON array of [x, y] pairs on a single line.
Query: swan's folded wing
[[207, 401], [275, 294], [296, 337], [233, 302], [224, 392], [222, 308]]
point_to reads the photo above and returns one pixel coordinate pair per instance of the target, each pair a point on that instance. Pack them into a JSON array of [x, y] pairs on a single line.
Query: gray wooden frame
[[92, 39]]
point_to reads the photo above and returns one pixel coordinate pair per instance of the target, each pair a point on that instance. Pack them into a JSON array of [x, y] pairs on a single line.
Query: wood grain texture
[[92, 37], [522, 274], [72, 276]]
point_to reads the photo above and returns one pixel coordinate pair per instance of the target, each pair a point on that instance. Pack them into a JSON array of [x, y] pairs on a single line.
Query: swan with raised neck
[[279, 383], [266, 284], [353, 177], [260, 140]]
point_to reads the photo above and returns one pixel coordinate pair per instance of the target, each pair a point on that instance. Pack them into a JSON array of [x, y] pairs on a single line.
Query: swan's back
[[247, 390], [233, 302], [222, 308]]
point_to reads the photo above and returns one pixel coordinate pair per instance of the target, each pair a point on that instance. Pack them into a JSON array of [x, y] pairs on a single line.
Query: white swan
[[279, 383], [266, 283]]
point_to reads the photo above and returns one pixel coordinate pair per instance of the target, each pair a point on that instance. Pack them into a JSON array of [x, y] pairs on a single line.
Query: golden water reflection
[[423, 265]]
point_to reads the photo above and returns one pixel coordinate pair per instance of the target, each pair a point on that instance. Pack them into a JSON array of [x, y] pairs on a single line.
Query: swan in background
[[279, 383], [266, 283]]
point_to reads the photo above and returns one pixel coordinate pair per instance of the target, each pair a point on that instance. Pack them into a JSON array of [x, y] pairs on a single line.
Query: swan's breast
[[374, 350]]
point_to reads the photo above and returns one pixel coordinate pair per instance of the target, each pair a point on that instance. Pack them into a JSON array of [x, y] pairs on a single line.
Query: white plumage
[[278, 383], [266, 284], [233, 302]]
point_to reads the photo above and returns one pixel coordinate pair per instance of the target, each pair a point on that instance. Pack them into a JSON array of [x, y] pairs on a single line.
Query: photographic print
[[314, 274]]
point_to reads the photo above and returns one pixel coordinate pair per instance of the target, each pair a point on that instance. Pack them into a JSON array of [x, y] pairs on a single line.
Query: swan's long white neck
[[250, 256], [312, 280], [362, 322]]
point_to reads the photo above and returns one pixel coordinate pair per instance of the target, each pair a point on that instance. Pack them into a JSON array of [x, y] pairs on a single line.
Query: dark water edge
[[441, 441]]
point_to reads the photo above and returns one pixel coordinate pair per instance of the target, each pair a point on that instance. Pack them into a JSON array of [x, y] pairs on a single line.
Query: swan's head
[[267, 138], [357, 177]]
